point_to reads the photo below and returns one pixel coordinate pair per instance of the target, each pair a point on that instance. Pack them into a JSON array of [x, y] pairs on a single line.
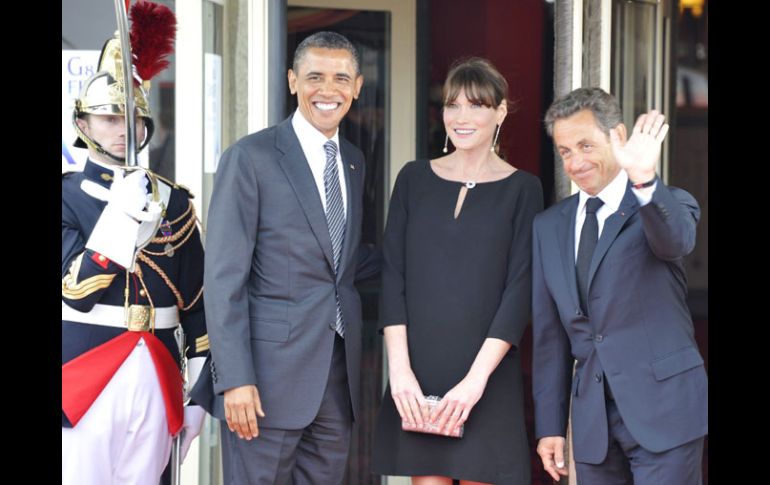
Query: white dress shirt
[[312, 142], [612, 195]]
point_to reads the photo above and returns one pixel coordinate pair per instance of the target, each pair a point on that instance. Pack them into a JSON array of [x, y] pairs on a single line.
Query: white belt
[[114, 316]]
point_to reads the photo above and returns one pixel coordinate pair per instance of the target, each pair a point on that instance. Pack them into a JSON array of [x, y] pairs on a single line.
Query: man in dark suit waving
[[609, 292], [283, 233]]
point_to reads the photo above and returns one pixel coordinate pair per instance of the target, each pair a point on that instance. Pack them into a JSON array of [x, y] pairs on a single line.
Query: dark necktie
[[335, 217], [589, 235]]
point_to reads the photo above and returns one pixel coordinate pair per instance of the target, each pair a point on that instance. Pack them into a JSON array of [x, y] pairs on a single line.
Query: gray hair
[[604, 106], [325, 40]]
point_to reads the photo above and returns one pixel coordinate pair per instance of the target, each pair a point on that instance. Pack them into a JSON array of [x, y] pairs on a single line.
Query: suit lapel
[[353, 191], [566, 236], [612, 226], [295, 166]]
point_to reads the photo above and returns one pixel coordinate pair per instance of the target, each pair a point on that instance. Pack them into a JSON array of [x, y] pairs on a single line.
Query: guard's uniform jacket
[[169, 277]]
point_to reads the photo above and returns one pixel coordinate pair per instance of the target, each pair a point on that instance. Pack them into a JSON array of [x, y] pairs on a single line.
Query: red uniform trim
[[100, 259], [171, 383], [85, 377]]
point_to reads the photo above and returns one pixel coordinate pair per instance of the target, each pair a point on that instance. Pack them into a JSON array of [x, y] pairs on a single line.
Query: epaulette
[[175, 185]]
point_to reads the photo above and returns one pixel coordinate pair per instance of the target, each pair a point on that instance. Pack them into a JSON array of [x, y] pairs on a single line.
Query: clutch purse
[[431, 428]]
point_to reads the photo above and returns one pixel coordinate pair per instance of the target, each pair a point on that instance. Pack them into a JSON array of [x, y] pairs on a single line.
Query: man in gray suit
[[282, 244], [609, 290]]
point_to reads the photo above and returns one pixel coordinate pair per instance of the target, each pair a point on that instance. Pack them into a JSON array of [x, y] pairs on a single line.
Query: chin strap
[[149, 129]]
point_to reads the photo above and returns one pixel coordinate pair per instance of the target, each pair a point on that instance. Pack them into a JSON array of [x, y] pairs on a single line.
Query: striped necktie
[[335, 217]]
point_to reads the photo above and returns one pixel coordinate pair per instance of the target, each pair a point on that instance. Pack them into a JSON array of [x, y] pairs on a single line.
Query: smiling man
[[609, 291], [283, 233]]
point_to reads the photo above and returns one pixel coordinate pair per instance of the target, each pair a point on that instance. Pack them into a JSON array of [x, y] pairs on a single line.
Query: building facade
[[228, 79]]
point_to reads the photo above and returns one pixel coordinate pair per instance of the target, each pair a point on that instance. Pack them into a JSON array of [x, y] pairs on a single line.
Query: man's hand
[[130, 195], [149, 227], [639, 155], [119, 231], [242, 406], [551, 451]]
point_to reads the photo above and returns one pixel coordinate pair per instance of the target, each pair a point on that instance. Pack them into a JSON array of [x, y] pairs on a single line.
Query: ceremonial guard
[[133, 322]]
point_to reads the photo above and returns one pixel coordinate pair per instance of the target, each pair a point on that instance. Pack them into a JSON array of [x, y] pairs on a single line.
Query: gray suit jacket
[[638, 333], [269, 279]]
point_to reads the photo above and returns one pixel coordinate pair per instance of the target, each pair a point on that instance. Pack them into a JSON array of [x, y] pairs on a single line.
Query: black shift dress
[[454, 283]]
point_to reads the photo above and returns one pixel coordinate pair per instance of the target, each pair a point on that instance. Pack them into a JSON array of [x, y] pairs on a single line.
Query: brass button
[[102, 258], [143, 293]]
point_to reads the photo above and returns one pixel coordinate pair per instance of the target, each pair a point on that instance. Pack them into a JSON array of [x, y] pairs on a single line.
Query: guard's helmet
[[153, 28], [103, 94]]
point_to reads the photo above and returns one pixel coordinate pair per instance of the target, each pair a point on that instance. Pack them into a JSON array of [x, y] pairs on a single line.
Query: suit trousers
[[315, 454], [627, 463]]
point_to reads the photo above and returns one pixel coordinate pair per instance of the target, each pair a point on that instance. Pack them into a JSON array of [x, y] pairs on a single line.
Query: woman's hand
[[408, 397], [456, 406], [404, 387]]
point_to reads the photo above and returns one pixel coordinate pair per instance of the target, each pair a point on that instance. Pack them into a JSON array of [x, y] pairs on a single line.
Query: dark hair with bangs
[[481, 81]]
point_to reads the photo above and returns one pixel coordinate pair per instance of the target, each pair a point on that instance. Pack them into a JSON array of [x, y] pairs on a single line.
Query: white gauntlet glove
[[129, 194], [117, 231], [193, 422], [149, 228]]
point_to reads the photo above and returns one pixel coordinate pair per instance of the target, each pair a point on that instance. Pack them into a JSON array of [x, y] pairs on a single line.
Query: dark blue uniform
[[172, 278]]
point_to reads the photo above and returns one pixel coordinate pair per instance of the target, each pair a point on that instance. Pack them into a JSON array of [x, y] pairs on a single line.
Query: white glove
[[114, 236], [117, 232], [130, 195], [193, 422], [149, 228]]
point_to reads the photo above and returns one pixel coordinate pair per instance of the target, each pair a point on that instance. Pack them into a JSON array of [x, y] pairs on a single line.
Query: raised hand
[[640, 154], [130, 193]]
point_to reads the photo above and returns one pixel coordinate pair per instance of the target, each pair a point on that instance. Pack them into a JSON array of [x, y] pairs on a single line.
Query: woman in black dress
[[456, 299]]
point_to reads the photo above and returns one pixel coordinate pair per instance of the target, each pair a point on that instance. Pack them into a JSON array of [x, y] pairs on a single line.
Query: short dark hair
[[481, 81], [603, 105], [325, 40]]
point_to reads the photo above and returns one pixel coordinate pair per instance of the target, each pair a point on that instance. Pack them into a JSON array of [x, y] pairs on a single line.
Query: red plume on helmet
[[153, 28]]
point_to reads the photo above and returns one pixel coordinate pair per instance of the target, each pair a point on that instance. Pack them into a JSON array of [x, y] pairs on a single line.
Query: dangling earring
[[446, 141], [495, 141]]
